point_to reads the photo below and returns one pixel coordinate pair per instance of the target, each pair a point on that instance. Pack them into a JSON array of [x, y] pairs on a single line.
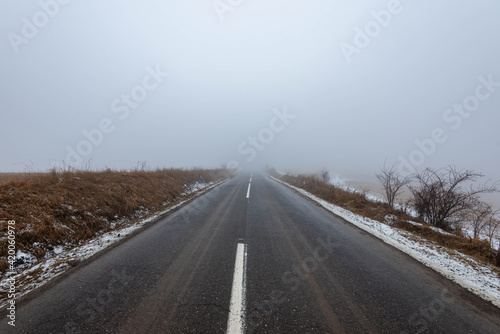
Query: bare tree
[[325, 175], [477, 217], [443, 196], [392, 182], [405, 206], [492, 226]]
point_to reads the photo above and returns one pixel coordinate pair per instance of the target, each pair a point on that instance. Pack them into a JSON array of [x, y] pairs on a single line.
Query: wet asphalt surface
[[307, 271]]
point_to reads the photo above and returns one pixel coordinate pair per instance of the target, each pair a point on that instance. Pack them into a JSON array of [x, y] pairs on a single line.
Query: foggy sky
[[299, 85]]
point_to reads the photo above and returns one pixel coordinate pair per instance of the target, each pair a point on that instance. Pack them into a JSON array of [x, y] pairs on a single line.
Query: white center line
[[236, 320], [248, 191]]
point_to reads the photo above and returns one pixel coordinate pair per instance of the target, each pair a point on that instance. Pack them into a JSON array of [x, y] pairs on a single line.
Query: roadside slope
[[62, 218]]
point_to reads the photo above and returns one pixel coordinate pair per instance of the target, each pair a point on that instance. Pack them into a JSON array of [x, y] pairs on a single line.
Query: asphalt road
[[299, 269]]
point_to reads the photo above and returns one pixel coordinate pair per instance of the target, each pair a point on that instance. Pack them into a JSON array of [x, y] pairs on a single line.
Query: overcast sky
[[300, 85]]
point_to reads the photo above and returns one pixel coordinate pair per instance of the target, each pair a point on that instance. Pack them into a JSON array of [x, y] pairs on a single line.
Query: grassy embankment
[[67, 208]]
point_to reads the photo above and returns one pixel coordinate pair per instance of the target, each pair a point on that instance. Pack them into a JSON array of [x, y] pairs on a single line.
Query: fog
[[302, 85]]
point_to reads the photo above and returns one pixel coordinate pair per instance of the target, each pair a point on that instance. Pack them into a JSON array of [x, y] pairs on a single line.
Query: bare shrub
[[442, 197], [492, 226], [477, 217], [325, 175], [392, 182]]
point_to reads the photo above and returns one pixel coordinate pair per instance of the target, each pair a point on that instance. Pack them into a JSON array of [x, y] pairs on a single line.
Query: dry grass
[[359, 204], [6, 177], [70, 207]]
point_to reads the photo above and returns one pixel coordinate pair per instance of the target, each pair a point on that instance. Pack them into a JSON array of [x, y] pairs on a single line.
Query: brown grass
[[6, 177], [70, 207], [357, 203]]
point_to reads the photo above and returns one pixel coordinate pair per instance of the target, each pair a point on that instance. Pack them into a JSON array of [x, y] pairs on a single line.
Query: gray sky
[[300, 85]]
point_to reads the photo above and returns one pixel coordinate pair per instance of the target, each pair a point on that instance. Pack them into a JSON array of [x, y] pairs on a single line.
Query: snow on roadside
[[44, 271], [460, 268], [434, 228]]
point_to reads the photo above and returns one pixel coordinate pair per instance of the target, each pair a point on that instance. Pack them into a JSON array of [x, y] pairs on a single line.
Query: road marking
[[251, 175], [248, 191], [236, 320]]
